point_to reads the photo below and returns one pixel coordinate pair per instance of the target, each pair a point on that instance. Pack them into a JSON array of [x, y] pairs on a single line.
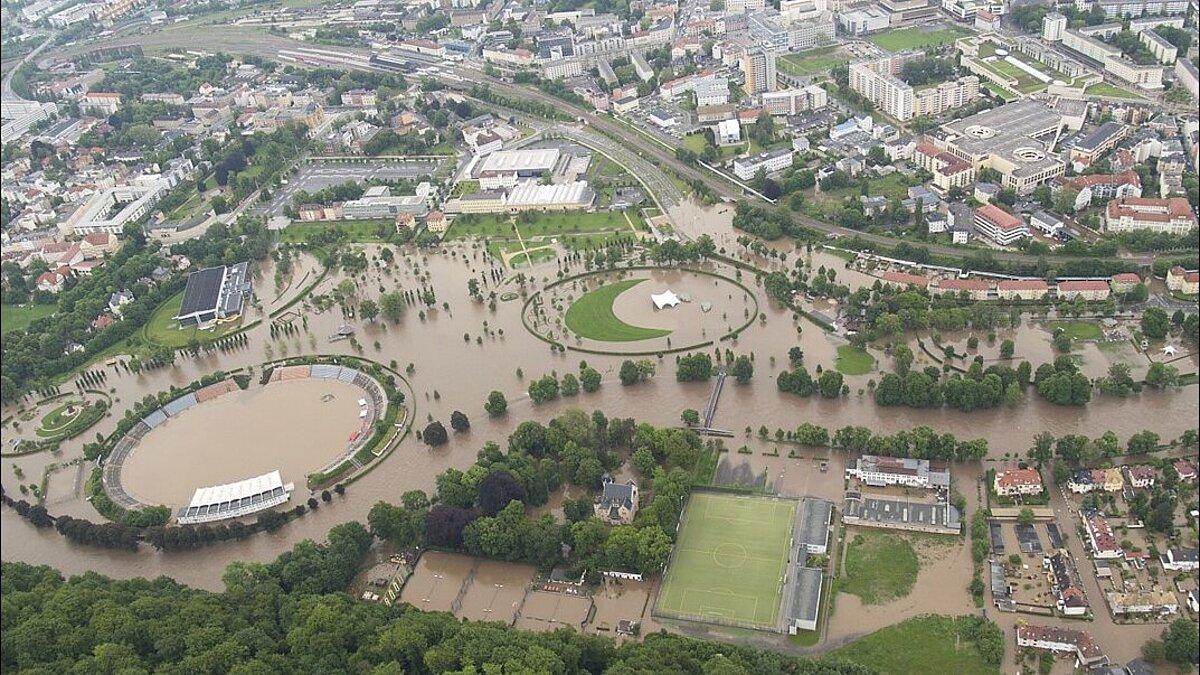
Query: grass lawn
[[162, 329], [880, 567], [923, 645], [1106, 89], [362, 231], [18, 317], [529, 258], [854, 361], [1079, 330], [916, 38], [592, 317], [54, 421], [811, 62], [892, 186], [546, 225], [1026, 83], [729, 560]]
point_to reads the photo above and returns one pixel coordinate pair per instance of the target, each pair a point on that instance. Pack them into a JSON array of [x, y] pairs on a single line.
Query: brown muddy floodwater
[[452, 373], [296, 426]]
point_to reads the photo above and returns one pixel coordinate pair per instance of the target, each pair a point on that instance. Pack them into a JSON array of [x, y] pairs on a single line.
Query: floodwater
[[296, 426], [452, 373]]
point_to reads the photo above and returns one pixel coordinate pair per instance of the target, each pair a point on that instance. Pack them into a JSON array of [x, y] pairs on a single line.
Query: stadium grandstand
[[232, 500]]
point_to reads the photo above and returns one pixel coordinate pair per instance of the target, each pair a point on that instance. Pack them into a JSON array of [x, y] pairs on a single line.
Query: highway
[[237, 40]]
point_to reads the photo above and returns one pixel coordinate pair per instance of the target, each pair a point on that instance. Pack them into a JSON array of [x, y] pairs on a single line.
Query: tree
[[459, 421], [742, 369], [496, 404], [589, 379], [1007, 348], [434, 434], [444, 525], [497, 490], [830, 384], [1025, 517], [1181, 644], [634, 372], [392, 305], [1155, 323], [369, 309], [690, 417]]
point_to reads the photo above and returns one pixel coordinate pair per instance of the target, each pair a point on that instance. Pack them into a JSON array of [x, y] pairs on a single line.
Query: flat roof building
[[812, 525], [504, 168], [215, 293], [803, 607], [1017, 140], [878, 471], [900, 514]]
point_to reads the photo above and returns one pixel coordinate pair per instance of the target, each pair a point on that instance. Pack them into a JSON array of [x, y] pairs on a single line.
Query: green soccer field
[[730, 560]]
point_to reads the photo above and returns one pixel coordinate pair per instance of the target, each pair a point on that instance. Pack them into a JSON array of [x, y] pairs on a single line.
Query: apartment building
[[1022, 289], [999, 225], [1016, 482], [949, 171], [1128, 214], [795, 101], [759, 68], [877, 80]]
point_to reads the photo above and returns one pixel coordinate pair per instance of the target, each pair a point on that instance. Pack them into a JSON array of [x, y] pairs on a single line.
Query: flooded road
[[460, 349]]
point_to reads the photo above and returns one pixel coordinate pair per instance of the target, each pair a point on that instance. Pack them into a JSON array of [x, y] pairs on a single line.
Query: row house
[[1022, 289]]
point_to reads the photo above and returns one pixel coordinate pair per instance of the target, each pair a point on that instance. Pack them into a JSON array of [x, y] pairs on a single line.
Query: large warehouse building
[[506, 168], [215, 293]]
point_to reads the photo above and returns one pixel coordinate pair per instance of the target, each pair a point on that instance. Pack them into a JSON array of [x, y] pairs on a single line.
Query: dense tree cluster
[[293, 615], [1062, 383]]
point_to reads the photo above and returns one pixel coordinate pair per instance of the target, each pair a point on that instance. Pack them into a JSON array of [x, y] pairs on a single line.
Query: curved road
[[241, 40]]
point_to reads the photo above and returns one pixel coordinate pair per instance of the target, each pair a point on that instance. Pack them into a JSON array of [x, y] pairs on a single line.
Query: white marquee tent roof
[[665, 299]]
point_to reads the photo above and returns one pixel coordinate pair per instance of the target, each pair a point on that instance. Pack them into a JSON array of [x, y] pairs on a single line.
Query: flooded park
[[455, 349]]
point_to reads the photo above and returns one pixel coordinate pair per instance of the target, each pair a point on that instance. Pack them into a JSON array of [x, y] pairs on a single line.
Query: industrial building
[[506, 168], [215, 294]]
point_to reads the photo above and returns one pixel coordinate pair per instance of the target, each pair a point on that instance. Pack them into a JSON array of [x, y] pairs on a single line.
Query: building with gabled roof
[[617, 503]]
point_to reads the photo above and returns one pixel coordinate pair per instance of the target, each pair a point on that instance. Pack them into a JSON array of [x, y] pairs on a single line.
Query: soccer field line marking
[[707, 551]]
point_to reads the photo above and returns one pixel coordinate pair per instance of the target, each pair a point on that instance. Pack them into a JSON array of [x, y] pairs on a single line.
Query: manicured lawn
[[1106, 89], [527, 259], [365, 231], [1079, 330], [18, 317], [164, 331], [729, 560], [892, 186], [54, 421], [880, 567], [854, 361], [923, 645], [592, 317], [916, 38], [811, 62]]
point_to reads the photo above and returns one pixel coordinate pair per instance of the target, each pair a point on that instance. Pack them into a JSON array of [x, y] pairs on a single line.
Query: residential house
[[617, 503], [1014, 482]]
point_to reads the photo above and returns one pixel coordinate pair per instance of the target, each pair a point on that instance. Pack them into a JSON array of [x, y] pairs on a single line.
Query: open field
[[854, 361], [916, 38], [892, 186], [164, 331], [812, 62], [880, 566], [729, 562], [592, 316], [925, 645], [364, 231], [18, 317], [1079, 330]]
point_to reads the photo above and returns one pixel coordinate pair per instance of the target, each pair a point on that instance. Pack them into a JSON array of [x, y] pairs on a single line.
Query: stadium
[[225, 451]]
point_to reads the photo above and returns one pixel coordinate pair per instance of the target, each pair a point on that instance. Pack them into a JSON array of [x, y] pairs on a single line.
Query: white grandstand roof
[[541, 159], [532, 194], [219, 494]]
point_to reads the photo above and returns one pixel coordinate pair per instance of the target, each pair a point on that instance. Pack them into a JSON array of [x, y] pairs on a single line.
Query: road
[[241, 40], [6, 91]]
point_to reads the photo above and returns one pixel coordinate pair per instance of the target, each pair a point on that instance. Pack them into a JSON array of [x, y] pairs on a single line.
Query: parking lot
[[320, 175]]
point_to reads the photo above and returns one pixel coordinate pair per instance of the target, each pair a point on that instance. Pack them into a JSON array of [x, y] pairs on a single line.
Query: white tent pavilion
[[665, 299]]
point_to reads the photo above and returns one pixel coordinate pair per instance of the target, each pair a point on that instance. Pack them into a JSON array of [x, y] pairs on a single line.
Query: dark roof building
[[215, 293]]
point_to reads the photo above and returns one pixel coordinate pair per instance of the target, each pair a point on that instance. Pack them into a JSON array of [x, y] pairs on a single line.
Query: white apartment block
[[877, 81]]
